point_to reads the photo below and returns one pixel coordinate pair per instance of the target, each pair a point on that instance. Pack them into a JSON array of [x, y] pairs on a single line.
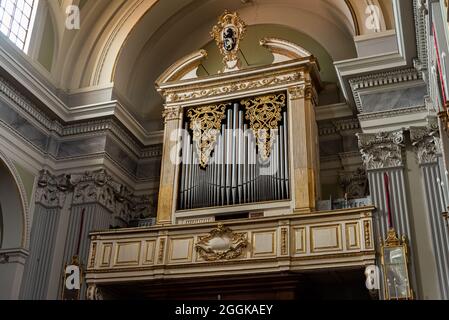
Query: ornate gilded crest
[[221, 244], [227, 34], [205, 123], [264, 114]]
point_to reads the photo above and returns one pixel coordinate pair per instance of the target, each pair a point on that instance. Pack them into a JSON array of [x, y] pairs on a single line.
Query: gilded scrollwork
[[264, 114], [228, 33], [205, 123], [221, 244], [227, 88]]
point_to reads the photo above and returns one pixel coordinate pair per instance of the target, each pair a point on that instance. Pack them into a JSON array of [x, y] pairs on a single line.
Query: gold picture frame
[[394, 259]]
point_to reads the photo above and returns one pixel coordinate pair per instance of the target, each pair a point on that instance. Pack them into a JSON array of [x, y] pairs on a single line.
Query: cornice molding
[[19, 67], [348, 69], [339, 126], [390, 78], [80, 128]]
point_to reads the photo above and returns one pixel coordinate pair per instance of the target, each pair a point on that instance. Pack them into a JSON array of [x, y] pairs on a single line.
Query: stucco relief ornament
[[382, 150], [227, 34], [221, 244]]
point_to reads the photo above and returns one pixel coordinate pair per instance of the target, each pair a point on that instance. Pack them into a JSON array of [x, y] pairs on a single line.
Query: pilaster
[[427, 146], [304, 147], [383, 152], [166, 203]]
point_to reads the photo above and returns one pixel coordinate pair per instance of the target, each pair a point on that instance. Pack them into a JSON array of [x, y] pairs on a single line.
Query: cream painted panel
[[325, 238], [149, 252], [300, 241], [128, 253], [264, 243], [181, 250], [106, 255], [352, 236]]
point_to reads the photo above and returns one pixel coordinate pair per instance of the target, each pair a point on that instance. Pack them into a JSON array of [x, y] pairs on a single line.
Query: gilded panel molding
[[221, 244], [284, 241], [382, 150], [264, 114], [205, 122]]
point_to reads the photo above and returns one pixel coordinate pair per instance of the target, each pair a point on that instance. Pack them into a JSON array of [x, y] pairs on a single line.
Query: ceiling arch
[[131, 42]]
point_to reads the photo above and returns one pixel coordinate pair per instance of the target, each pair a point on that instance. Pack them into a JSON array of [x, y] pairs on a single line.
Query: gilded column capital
[[304, 91], [382, 150], [426, 143], [171, 113]]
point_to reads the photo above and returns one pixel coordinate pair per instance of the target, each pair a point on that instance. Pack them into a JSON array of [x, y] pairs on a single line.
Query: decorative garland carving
[[205, 122], [382, 150], [221, 244], [264, 114]]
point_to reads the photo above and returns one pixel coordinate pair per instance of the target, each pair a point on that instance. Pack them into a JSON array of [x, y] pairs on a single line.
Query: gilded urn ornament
[[228, 33]]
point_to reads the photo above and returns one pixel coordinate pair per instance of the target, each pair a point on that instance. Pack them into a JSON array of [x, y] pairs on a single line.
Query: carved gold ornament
[[221, 244], [264, 114], [228, 33], [205, 122]]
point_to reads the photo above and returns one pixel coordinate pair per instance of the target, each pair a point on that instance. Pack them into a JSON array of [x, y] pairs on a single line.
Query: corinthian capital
[[96, 187], [382, 150], [171, 113], [427, 144], [52, 190]]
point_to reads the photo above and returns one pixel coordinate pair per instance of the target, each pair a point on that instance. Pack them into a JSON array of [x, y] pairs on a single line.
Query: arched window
[[17, 20]]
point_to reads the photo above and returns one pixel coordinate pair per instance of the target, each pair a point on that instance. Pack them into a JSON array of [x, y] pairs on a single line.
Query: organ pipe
[[235, 153]]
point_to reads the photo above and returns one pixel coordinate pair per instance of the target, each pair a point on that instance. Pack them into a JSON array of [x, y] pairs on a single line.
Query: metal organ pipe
[[235, 174]]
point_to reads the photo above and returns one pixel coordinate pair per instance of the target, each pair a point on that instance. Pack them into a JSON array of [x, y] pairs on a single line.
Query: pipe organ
[[235, 153], [242, 142]]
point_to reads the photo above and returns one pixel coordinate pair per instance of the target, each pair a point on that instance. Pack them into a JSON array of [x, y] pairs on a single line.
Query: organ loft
[[240, 212]]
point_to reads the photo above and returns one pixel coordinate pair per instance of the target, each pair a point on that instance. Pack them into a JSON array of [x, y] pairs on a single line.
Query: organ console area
[[239, 185], [243, 142]]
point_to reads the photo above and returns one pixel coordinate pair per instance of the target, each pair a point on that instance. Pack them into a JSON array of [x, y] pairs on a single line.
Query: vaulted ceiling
[[129, 43]]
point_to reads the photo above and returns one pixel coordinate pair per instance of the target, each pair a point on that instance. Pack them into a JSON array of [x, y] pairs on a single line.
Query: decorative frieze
[[427, 144], [237, 86], [382, 150], [99, 187]]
